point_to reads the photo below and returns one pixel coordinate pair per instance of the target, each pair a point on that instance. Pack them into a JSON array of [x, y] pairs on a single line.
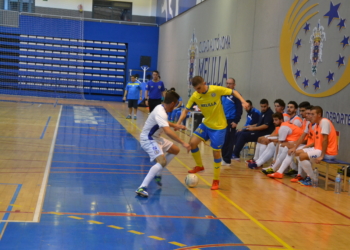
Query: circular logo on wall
[[313, 65]]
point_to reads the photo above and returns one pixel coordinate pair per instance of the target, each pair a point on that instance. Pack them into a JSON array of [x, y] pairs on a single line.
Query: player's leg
[[199, 135], [227, 148], [306, 158], [130, 109], [268, 154], [217, 139], [172, 150]]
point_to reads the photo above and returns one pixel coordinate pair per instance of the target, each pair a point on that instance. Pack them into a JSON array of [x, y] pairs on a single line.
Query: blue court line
[[14, 198], [47, 123]]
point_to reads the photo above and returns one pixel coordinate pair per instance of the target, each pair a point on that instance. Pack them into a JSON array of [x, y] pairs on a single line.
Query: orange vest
[[310, 135], [296, 118], [332, 148], [286, 115], [303, 124], [296, 131]]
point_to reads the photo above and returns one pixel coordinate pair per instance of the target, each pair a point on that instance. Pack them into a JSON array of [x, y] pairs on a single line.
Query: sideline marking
[[134, 232], [95, 222], [177, 244], [40, 202], [115, 227], [156, 238], [47, 123], [75, 217]]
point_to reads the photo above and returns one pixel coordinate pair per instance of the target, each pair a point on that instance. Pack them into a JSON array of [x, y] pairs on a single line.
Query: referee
[[154, 91]]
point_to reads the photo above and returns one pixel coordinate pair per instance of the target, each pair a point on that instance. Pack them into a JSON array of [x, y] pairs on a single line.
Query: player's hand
[[318, 159], [233, 125], [291, 151], [180, 126], [245, 105], [186, 146], [140, 98], [146, 103], [124, 98]]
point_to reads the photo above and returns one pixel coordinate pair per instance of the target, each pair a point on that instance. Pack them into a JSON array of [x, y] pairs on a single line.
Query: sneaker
[[196, 169], [215, 185], [306, 182], [297, 178], [224, 163], [291, 172], [235, 158], [276, 175], [252, 165], [128, 117], [142, 191], [158, 180], [250, 161], [268, 170], [135, 118]]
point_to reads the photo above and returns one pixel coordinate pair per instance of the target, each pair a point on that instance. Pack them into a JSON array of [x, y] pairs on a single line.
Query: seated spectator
[[292, 109], [324, 147], [252, 132]]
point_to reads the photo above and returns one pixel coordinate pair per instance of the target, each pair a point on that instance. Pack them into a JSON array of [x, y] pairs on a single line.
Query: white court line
[[39, 105], [40, 202]]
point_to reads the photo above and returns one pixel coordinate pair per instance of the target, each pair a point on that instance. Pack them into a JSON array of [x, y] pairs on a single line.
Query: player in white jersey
[[156, 146]]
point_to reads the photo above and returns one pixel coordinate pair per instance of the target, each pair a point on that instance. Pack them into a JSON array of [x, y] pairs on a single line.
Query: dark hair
[[250, 102], [171, 96], [197, 80], [133, 76], [155, 71], [304, 105], [172, 89], [309, 107], [318, 109], [234, 81], [278, 115], [280, 102], [294, 104], [264, 101]]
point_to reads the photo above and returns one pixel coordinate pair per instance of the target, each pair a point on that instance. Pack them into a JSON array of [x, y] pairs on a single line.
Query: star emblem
[[317, 84], [330, 76], [341, 24], [295, 59], [332, 13], [306, 27], [341, 60], [306, 83], [345, 41], [298, 43], [297, 74]]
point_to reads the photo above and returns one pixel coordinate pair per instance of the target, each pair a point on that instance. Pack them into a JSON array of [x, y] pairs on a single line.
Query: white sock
[[168, 158], [268, 153], [307, 167], [151, 173], [257, 151], [282, 152], [286, 162]]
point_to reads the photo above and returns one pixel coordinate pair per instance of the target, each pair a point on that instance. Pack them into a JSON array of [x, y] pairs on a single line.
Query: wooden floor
[[263, 213]]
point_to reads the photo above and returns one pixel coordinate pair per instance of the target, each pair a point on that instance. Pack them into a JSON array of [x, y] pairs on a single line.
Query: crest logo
[[330, 70]]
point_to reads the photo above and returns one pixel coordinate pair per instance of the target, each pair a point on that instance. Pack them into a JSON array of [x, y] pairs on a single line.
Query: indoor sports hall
[[70, 161]]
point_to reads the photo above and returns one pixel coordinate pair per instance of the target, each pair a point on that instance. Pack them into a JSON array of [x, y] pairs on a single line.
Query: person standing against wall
[[133, 93], [154, 91], [233, 112]]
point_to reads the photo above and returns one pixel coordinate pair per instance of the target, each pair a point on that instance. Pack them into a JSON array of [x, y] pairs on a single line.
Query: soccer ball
[[191, 180]]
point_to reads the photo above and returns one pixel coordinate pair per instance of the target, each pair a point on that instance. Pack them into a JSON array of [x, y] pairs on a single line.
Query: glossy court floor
[[69, 169]]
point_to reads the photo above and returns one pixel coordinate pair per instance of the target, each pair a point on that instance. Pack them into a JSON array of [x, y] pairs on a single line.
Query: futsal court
[[70, 168]]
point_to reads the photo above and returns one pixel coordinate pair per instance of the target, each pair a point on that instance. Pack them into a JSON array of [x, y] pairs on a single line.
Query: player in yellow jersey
[[208, 99]]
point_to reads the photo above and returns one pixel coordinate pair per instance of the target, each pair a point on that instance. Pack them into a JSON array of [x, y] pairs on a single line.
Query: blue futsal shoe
[[142, 191], [158, 180]]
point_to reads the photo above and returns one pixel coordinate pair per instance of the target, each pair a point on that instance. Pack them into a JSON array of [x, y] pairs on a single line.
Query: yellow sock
[[197, 157], [217, 166]]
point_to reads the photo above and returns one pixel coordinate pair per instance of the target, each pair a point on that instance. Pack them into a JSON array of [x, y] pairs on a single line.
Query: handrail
[[87, 19]]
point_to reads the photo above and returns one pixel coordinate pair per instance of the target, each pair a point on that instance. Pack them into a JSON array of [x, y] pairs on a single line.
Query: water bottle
[[315, 179], [337, 188], [245, 151]]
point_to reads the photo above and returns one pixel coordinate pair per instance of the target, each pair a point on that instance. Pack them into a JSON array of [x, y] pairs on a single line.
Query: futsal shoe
[[291, 172], [215, 185], [297, 178], [252, 165], [135, 118], [158, 180], [250, 161], [306, 182], [235, 158], [142, 191], [276, 175], [224, 163], [128, 117], [267, 170], [196, 169]]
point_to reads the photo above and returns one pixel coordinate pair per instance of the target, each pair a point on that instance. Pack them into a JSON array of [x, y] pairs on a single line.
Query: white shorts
[[315, 153], [156, 147]]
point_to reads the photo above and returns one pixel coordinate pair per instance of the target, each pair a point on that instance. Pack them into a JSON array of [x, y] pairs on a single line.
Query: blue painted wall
[[164, 10]]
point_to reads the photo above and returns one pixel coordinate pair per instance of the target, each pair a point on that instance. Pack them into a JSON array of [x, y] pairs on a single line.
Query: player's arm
[[183, 115], [176, 126], [238, 96], [324, 148], [297, 143], [125, 94], [179, 105], [257, 128], [174, 136]]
